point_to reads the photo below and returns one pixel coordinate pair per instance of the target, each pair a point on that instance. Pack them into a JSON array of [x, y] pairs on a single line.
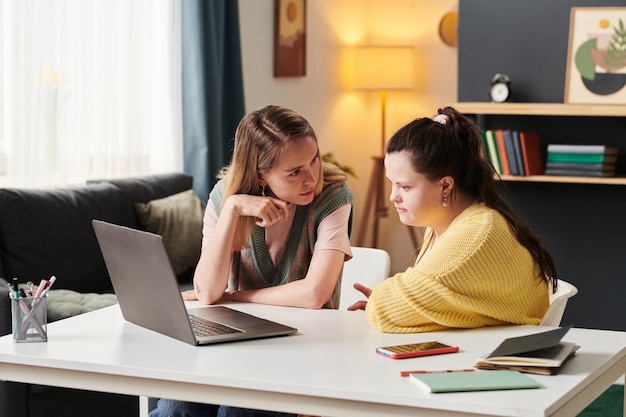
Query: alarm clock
[[500, 90]]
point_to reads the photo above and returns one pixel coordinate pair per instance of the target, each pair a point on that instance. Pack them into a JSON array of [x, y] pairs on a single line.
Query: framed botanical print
[[596, 56], [290, 38]]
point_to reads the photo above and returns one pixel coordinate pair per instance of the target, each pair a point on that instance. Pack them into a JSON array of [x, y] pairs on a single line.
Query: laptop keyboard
[[204, 327]]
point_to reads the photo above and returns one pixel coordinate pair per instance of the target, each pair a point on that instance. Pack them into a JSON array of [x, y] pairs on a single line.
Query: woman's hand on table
[[360, 305]]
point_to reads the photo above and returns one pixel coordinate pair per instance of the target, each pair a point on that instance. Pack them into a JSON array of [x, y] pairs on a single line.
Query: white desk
[[329, 368]]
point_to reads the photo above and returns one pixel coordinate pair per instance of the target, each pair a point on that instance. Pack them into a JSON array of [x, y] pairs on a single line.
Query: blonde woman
[[276, 229]]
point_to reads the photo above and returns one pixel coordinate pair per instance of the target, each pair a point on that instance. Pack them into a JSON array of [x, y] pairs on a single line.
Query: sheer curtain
[[88, 89]]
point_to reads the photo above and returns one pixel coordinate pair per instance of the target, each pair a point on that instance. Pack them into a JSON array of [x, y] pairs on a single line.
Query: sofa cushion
[[144, 189], [62, 304], [178, 219], [49, 232]]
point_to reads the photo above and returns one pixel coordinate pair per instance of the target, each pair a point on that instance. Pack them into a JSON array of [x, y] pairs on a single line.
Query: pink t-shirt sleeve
[[332, 233]]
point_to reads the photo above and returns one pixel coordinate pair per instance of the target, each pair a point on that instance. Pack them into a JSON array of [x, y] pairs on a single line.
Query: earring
[[445, 201], [263, 190]]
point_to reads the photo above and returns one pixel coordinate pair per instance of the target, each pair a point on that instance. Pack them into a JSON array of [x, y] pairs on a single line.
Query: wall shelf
[[541, 109], [547, 109], [565, 179]]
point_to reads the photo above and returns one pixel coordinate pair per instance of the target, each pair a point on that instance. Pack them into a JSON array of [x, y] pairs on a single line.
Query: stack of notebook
[[538, 353], [581, 160]]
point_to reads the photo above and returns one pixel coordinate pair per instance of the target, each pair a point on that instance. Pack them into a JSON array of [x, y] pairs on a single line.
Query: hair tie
[[441, 118]]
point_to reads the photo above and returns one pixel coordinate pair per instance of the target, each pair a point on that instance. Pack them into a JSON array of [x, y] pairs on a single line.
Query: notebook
[[149, 296], [473, 381], [539, 353]]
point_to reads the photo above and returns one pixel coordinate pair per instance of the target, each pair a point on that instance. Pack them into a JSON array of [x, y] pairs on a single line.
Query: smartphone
[[412, 350]]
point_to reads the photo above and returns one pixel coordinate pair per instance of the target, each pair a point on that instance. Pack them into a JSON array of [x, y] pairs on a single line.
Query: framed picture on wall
[[290, 38], [596, 56]]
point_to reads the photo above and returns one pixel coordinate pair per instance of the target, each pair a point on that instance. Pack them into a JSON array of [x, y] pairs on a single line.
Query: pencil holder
[[30, 319]]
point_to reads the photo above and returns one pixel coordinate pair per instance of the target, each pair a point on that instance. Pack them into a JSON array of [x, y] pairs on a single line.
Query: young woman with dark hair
[[480, 264]]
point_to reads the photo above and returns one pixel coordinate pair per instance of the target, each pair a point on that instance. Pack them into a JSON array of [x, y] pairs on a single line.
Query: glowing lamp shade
[[384, 68]]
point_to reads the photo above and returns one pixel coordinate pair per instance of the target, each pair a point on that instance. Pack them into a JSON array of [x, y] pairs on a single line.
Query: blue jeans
[[172, 408]]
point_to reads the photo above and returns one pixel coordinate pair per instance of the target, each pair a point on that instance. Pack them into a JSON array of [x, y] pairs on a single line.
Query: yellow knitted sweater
[[477, 274]]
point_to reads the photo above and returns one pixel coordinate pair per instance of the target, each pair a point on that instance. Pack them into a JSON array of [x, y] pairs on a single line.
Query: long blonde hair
[[260, 140]]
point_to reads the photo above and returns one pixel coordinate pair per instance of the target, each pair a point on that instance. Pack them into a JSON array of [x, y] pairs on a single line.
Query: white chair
[[558, 302], [368, 266]]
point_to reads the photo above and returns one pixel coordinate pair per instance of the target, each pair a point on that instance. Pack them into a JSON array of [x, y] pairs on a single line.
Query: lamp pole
[[375, 199], [381, 68], [376, 207]]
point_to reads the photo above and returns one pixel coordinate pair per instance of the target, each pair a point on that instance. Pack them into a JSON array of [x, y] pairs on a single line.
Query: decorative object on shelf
[[596, 56], [448, 28], [381, 68], [290, 38], [500, 89]]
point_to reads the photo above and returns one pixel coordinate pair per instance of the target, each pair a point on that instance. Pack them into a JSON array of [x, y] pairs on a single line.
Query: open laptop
[[149, 296]]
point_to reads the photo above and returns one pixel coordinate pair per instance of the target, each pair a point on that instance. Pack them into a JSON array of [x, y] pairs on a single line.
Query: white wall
[[347, 122]]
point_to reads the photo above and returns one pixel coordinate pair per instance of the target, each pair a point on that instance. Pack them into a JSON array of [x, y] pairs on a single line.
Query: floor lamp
[[381, 68]]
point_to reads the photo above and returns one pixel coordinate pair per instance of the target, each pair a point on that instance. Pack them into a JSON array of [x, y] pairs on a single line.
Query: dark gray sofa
[[49, 232]]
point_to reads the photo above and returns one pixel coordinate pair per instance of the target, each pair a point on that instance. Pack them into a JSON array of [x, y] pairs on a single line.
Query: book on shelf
[[517, 150], [582, 158], [440, 382], [581, 166], [531, 153], [539, 353], [505, 163], [493, 151], [569, 172], [588, 149], [510, 152]]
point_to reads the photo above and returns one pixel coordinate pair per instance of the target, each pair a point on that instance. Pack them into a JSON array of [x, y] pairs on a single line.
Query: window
[[88, 89]]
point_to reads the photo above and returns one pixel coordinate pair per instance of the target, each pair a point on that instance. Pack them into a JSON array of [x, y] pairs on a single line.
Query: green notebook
[[474, 381]]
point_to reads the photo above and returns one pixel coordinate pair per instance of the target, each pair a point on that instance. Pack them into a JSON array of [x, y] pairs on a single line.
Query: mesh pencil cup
[[30, 319]]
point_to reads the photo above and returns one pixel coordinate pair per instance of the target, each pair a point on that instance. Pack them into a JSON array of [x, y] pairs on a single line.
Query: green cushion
[[68, 303], [178, 219]]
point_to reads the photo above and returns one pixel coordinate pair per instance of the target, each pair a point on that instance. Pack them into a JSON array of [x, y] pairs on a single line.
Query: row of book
[[513, 152], [581, 160]]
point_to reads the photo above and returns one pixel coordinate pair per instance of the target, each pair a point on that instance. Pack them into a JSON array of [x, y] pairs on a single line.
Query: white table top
[[329, 368]]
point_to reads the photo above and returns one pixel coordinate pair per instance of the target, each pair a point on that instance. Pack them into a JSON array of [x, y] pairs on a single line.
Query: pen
[[48, 285], [16, 288], [422, 371], [42, 285], [42, 290]]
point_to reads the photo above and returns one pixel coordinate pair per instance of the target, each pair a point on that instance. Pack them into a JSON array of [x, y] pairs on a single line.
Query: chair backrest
[[558, 302], [368, 266]]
